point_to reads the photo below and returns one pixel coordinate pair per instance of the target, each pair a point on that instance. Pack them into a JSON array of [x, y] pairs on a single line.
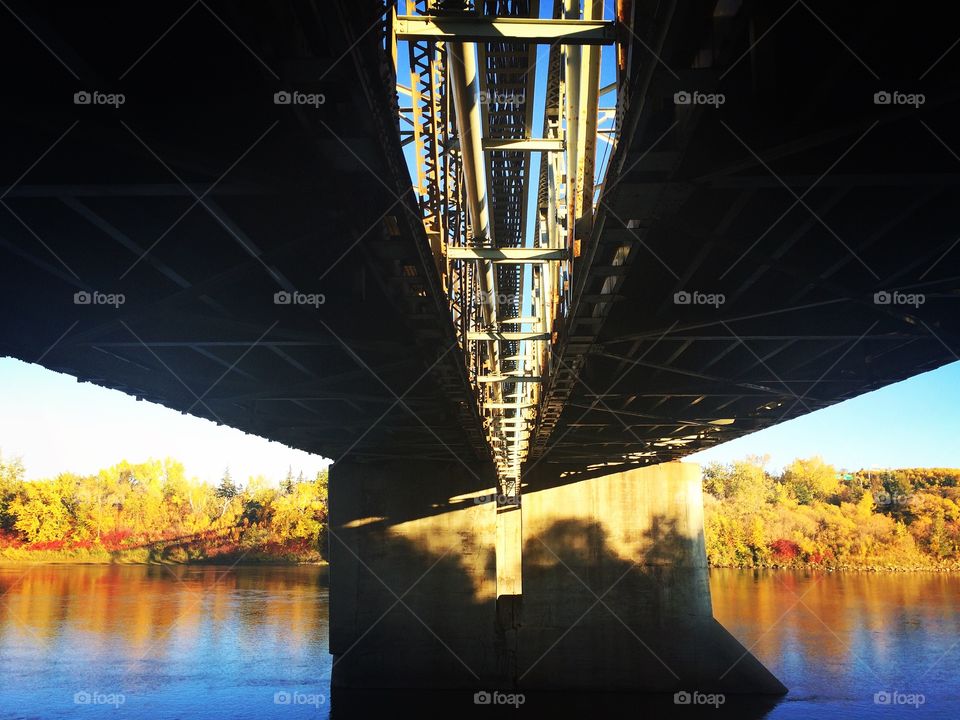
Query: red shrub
[[784, 550], [818, 558], [47, 545], [114, 539], [10, 540]]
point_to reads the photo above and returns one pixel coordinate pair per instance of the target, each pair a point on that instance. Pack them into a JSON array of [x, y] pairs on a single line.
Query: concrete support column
[[435, 583], [413, 575], [616, 587], [509, 587]]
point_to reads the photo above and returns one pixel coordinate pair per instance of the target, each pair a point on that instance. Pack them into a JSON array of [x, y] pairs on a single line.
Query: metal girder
[[508, 336], [467, 28], [524, 145], [509, 379], [484, 65], [507, 255], [426, 79]]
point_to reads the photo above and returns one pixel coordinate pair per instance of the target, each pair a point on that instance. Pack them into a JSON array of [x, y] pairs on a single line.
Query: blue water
[[186, 642]]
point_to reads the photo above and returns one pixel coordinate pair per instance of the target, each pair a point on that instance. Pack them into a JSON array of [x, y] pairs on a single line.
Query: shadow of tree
[[626, 613]]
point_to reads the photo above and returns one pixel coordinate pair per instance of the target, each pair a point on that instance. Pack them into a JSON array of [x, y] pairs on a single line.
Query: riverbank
[[262, 556], [200, 549], [227, 561], [953, 567]]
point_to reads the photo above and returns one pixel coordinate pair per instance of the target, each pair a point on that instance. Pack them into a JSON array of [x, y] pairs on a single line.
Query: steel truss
[[472, 85]]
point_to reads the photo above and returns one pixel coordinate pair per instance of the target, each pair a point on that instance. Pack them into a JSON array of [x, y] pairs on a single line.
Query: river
[[157, 642]]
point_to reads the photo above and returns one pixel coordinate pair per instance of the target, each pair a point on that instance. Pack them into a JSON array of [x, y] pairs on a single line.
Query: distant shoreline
[[865, 569], [277, 562], [280, 562]]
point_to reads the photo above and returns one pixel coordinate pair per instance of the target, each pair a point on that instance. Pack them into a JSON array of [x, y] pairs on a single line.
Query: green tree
[[286, 485], [11, 475], [810, 479], [744, 481], [226, 490]]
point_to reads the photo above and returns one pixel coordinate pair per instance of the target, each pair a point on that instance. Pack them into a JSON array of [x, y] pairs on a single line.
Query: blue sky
[[914, 423], [56, 423]]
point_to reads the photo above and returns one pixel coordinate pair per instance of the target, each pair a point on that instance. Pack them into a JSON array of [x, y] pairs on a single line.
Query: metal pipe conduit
[[571, 77], [464, 82]]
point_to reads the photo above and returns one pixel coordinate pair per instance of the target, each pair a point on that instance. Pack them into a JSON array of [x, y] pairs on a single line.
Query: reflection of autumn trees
[[810, 514], [160, 609], [153, 511], [849, 617]]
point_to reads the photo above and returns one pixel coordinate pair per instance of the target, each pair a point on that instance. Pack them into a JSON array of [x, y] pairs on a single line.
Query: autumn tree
[[11, 475], [810, 479]]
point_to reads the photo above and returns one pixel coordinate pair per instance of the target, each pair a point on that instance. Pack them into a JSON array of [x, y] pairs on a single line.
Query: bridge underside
[[800, 201], [615, 591], [199, 199]]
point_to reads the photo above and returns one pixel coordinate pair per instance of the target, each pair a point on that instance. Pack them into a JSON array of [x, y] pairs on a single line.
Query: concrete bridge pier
[[598, 582]]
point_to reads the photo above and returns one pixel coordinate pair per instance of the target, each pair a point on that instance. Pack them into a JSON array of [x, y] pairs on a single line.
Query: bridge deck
[[200, 198]]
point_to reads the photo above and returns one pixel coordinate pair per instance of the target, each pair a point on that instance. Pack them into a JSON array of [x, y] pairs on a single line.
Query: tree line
[[809, 514], [154, 511], [813, 514]]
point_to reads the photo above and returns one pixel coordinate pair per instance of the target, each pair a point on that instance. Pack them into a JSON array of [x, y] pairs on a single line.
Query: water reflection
[[208, 642], [836, 639], [172, 641]]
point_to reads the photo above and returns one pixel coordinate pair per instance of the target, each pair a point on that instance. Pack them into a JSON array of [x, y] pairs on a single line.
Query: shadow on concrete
[[596, 617], [615, 590], [409, 616]]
